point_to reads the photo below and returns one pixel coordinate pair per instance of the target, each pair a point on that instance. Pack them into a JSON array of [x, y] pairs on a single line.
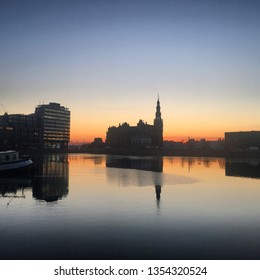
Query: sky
[[107, 61]]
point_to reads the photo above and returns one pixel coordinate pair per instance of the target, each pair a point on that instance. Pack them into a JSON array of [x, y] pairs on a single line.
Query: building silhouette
[[139, 136], [47, 128], [18, 130], [243, 140]]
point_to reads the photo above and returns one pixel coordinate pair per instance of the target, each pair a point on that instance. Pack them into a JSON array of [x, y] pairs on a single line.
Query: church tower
[[158, 124]]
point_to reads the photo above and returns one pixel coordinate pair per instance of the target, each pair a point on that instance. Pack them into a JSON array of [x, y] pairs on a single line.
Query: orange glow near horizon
[[80, 139], [180, 125], [186, 138]]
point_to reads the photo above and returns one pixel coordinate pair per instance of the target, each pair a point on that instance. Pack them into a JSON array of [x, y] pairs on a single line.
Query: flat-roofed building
[[18, 130], [53, 123], [47, 128], [242, 140]]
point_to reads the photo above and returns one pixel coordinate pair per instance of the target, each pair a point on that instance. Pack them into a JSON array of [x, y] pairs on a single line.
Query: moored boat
[[11, 162]]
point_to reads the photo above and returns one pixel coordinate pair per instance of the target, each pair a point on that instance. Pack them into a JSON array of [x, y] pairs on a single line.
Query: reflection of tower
[[158, 124], [158, 189], [141, 177]]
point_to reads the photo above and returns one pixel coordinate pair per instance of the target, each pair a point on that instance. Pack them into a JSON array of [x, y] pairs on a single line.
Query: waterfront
[[82, 206]]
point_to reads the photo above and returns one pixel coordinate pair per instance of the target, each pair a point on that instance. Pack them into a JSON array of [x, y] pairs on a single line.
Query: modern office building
[[142, 135], [47, 128], [53, 123]]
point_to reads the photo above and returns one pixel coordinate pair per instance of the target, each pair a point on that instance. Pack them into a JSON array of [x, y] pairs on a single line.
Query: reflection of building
[[135, 174], [52, 177], [249, 169], [47, 128], [11, 185], [142, 135], [150, 163], [245, 140]]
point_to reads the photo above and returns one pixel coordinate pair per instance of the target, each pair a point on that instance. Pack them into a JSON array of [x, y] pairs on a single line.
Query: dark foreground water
[[107, 207]]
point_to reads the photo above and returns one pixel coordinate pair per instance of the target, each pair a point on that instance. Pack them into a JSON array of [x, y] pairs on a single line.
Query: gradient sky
[[108, 60]]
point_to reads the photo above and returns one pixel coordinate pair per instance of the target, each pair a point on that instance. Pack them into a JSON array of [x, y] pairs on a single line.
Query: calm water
[[107, 207]]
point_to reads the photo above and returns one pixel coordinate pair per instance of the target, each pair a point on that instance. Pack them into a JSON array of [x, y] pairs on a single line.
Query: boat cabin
[[8, 156]]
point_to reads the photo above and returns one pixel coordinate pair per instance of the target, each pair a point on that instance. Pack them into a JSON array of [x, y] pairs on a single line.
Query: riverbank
[[151, 152], [172, 152]]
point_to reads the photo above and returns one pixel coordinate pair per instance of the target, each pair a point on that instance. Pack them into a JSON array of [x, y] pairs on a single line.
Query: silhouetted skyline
[[108, 59]]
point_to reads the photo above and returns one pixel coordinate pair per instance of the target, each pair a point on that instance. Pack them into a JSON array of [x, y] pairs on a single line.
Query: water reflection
[[242, 168], [136, 177], [51, 180], [149, 163], [158, 189], [111, 214], [13, 187]]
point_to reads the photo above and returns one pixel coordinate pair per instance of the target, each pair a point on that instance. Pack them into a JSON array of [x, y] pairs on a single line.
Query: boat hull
[[16, 167]]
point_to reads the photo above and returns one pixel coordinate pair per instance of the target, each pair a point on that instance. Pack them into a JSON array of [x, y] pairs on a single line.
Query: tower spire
[[158, 110], [158, 123]]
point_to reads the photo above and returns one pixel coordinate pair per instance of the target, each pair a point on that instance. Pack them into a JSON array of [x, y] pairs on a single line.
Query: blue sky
[[107, 61]]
